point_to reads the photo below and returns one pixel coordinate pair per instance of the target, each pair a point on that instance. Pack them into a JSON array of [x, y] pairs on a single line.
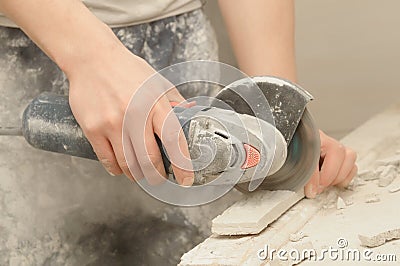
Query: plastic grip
[[48, 124]]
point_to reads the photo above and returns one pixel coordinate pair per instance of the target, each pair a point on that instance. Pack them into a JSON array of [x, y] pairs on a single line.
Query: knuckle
[[351, 154], [94, 126], [112, 120], [341, 149], [91, 128]]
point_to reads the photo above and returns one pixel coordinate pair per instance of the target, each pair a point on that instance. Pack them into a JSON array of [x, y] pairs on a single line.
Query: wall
[[347, 57]]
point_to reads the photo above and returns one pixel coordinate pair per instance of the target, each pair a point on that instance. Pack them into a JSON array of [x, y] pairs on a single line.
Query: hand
[[100, 90], [103, 76], [336, 168]]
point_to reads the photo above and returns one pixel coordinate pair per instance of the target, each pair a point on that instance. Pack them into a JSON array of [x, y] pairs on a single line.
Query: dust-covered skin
[[59, 210]]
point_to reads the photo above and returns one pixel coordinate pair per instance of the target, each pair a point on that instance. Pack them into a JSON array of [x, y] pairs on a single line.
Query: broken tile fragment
[[395, 186], [372, 198], [357, 182], [394, 190], [297, 236], [255, 213], [394, 160], [379, 239], [379, 170], [387, 176], [367, 175], [340, 204]]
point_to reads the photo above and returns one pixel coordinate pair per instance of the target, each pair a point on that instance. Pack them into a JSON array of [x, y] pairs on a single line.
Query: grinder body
[[219, 140], [286, 143]]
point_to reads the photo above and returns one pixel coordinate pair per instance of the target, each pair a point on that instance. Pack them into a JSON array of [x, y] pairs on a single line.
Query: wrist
[[88, 51]]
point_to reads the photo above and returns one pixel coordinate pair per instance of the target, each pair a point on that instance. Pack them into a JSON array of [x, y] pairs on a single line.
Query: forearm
[[262, 35], [65, 30]]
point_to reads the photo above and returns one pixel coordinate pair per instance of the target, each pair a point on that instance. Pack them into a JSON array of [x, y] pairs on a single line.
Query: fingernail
[[188, 181], [109, 172], [321, 189], [311, 192]]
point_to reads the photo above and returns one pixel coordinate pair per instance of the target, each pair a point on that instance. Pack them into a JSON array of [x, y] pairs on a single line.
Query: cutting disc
[[285, 108], [303, 156]]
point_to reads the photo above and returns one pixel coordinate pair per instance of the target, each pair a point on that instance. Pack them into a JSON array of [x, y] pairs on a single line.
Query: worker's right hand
[[103, 76], [100, 90]]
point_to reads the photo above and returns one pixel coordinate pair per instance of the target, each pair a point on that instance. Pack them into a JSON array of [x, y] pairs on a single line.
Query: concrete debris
[[331, 198], [380, 170], [297, 236], [379, 239], [394, 190], [357, 182], [218, 250], [395, 186], [394, 160], [387, 175], [367, 175], [340, 204], [372, 198]]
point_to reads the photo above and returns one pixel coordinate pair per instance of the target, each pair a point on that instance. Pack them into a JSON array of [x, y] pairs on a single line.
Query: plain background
[[347, 56]]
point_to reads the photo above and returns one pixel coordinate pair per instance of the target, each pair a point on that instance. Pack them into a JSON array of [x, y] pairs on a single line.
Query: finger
[[130, 157], [173, 95], [145, 147], [114, 135], [134, 147], [332, 162], [346, 182], [167, 126], [347, 166], [126, 156], [105, 154], [176, 99], [151, 162], [311, 189]]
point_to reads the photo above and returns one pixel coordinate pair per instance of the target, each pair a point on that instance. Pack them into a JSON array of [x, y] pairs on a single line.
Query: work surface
[[367, 209]]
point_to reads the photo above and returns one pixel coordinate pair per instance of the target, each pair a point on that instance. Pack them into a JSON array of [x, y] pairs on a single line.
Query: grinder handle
[[48, 124]]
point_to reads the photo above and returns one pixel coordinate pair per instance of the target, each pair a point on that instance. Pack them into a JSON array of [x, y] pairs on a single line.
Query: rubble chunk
[[387, 176], [379, 239], [297, 236], [372, 198], [340, 204]]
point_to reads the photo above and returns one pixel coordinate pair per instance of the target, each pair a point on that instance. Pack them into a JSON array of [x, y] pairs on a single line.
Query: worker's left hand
[[336, 168]]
